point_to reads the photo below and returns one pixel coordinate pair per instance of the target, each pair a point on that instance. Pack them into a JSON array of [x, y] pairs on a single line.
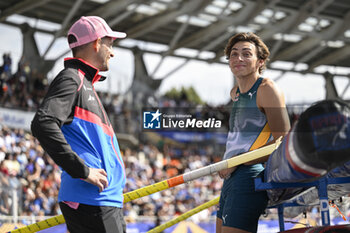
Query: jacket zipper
[[101, 107]]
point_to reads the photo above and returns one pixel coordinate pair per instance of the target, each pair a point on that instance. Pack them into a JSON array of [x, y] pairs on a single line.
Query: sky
[[212, 82]]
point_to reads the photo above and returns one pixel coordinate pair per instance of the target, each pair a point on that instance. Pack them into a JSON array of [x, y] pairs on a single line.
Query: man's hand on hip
[[97, 177]]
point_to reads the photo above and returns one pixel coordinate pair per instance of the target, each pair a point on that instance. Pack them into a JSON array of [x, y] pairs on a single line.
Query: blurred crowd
[[29, 179], [148, 165], [23, 88]]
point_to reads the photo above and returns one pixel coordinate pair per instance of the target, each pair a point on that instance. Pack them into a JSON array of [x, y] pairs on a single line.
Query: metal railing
[[10, 198]]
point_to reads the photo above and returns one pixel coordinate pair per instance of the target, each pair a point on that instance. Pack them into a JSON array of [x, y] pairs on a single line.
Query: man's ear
[[96, 44]]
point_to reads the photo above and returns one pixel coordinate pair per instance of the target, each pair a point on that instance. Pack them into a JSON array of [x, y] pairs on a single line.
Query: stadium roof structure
[[307, 36]]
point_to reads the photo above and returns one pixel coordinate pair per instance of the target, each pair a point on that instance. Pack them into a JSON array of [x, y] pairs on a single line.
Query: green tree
[[188, 94]]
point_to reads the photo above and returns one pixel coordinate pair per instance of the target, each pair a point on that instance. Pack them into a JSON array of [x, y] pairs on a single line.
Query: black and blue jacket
[[73, 128]]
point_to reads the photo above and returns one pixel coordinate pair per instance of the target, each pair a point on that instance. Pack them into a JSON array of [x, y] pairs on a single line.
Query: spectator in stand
[[7, 65]]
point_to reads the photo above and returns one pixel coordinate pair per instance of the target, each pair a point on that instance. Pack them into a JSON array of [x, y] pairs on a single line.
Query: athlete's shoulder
[[269, 93], [268, 87], [267, 83]]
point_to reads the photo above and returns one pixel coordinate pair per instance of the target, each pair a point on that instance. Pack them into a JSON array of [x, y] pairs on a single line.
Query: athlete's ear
[[261, 62]]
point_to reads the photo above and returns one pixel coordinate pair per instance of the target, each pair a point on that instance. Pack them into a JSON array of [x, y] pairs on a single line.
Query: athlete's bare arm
[[270, 100]]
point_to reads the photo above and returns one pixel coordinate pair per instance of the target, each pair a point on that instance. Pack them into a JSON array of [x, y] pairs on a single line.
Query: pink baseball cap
[[90, 28]]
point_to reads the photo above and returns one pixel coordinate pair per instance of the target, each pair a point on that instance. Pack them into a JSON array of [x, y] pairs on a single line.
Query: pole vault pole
[[204, 171], [185, 216], [169, 183]]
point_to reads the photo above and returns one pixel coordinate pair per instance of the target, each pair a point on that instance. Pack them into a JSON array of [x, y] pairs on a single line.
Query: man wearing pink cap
[[73, 128]]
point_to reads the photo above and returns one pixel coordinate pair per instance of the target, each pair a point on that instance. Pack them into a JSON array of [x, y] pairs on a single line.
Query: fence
[[11, 200]]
